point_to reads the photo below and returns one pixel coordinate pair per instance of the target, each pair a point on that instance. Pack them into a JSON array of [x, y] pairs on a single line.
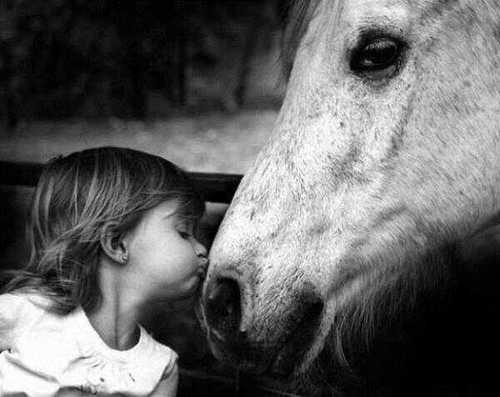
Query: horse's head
[[385, 151]]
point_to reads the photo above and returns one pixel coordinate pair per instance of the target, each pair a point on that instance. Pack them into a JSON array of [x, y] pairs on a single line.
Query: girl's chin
[[191, 288], [187, 290]]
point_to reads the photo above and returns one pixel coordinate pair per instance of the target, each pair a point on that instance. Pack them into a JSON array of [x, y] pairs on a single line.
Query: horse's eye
[[378, 58]]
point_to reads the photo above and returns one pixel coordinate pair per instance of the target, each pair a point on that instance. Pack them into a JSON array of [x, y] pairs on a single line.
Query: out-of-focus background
[[196, 81], [188, 79]]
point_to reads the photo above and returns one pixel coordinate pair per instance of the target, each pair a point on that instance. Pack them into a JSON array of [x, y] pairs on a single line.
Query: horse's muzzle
[[222, 306], [281, 343]]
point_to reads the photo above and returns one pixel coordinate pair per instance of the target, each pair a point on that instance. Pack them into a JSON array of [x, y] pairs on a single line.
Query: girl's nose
[[200, 249]]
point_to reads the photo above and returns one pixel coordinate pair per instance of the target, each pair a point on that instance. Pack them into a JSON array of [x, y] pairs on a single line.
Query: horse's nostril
[[223, 306], [313, 310], [308, 310]]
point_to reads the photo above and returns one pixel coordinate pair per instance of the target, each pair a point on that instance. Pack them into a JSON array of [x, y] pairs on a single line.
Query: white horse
[[363, 245]]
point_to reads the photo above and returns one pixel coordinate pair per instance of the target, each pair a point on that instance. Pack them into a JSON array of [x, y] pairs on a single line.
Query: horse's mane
[[299, 13], [298, 16]]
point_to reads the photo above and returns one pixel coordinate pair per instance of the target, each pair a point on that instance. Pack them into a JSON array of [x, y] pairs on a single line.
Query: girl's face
[[165, 258]]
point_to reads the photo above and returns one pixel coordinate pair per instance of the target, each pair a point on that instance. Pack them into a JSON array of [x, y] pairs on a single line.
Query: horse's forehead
[[397, 10], [375, 5]]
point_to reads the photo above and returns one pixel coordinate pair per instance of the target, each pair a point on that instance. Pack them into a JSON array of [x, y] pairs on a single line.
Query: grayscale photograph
[[249, 198]]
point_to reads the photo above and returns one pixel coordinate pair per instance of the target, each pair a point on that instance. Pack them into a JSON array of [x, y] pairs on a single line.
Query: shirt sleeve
[[10, 307], [171, 366], [158, 361]]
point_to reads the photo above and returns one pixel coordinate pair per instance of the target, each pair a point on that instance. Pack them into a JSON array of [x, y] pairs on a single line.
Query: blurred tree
[[56, 54], [41, 71]]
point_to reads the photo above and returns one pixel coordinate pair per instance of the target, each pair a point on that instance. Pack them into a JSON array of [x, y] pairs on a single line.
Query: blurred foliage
[[55, 54]]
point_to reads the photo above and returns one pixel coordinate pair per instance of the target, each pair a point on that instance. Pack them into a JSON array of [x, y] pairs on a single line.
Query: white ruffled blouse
[[45, 354]]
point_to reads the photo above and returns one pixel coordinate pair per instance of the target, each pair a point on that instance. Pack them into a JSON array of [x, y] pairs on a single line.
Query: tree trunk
[[245, 63]]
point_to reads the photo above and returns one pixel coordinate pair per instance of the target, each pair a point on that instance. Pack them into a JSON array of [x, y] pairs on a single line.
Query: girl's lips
[[203, 266], [202, 269]]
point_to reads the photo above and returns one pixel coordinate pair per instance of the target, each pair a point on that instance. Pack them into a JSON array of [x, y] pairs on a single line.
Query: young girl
[[111, 229]]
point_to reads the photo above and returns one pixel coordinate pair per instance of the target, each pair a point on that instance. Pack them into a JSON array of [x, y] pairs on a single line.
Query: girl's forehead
[[174, 210], [164, 210]]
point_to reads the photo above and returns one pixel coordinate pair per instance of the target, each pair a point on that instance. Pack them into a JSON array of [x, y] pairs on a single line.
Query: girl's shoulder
[[17, 311], [10, 305], [151, 346], [157, 359], [18, 304], [25, 297]]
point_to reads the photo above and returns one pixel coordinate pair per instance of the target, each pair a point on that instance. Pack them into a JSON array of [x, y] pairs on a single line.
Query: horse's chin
[[285, 364], [290, 362], [293, 367]]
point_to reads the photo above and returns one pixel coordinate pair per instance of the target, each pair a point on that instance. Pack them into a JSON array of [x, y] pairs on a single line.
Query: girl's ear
[[112, 243]]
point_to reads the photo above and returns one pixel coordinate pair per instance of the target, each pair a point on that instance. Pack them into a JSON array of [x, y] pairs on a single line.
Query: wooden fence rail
[[218, 188]]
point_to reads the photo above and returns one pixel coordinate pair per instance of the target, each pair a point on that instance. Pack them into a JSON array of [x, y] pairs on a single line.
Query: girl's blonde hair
[[75, 197]]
